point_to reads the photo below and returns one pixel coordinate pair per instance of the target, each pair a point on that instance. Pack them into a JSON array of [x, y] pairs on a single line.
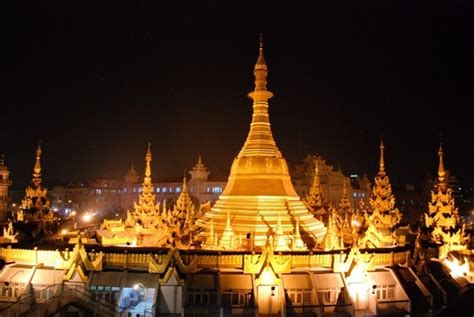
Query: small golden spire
[[441, 170], [148, 161], [260, 72], [199, 160], [382, 160], [37, 167], [2, 160]]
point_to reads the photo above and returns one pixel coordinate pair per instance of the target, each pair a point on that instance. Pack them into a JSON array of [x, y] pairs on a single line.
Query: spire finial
[[441, 170], [2, 160], [382, 160], [37, 167], [260, 72], [199, 159], [148, 157]]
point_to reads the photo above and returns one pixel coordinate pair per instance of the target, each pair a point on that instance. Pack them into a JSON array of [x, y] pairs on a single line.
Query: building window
[[124, 190], [165, 189], [385, 292], [355, 194], [134, 190], [328, 296], [299, 296], [178, 189], [198, 296], [216, 189], [237, 298], [157, 189]]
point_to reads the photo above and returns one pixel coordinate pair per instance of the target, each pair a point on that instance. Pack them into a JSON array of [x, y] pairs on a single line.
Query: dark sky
[[97, 80]]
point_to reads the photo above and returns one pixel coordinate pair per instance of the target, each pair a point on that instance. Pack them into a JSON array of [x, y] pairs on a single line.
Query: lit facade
[[189, 260]]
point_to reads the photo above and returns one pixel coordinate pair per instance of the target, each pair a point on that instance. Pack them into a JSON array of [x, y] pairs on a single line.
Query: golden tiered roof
[[442, 218], [315, 198], [146, 211], [259, 188], [36, 204], [382, 216]]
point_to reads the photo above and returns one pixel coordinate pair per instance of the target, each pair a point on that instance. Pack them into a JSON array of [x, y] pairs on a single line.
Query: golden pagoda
[[35, 217], [442, 218], [333, 239], [179, 221], [259, 187], [36, 205], [315, 198], [382, 216], [146, 212]]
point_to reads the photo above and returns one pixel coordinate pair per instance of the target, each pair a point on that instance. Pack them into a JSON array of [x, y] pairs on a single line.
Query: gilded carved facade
[[382, 216], [442, 219]]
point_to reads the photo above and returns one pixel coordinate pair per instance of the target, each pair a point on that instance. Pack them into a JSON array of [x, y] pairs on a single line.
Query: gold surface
[[259, 190]]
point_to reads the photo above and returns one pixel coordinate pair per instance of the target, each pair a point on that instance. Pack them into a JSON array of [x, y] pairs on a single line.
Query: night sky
[[97, 80]]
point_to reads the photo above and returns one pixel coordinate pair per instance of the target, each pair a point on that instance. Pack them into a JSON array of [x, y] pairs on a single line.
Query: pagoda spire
[[260, 140], [441, 170], [442, 219], [315, 198], [382, 160], [146, 209], [280, 239], [298, 243], [383, 215], [148, 157], [37, 167]]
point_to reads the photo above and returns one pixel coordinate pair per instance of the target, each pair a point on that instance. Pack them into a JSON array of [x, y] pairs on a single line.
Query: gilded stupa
[[315, 198], [382, 216], [259, 190], [442, 219], [146, 211], [35, 218]]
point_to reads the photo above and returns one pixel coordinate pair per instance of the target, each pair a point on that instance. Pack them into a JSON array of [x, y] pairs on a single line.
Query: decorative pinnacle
[[185, 186], [260, 72], [441, 171], [199, 160], [2, 160], [37, 167], [382, 160], [148, 160]]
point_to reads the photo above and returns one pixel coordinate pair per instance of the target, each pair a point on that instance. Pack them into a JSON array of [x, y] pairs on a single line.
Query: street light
[[136, 287]]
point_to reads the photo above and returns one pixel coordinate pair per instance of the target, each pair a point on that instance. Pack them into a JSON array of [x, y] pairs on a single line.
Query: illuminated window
[[165, 189], [124, 190], [216, 189], [134, 190], [178, 189], [299, 296], [355, 194], [157, 189], [385, 292]]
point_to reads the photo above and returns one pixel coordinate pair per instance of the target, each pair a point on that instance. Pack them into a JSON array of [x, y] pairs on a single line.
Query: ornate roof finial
[[260, 72], [148, 161], [199, 160], [441, 170], [37, 167], [382, 160], [2, 160]]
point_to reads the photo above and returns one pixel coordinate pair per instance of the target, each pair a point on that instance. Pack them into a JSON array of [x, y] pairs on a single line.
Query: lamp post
[[136, 287]]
